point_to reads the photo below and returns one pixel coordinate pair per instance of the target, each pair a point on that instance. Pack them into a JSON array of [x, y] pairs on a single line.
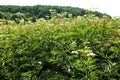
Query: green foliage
[[82, 48], [40, 11]]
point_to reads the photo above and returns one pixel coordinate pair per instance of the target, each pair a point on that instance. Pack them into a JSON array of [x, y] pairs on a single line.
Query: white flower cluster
[[74, 52], [73, 43], [86, 51], [39, 62], [91, 55]]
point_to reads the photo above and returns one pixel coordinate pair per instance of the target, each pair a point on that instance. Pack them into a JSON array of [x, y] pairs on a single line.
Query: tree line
[[11, 12]]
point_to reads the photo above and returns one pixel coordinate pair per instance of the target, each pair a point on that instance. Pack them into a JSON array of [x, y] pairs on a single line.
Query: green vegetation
[[82, 48], [39, 11]]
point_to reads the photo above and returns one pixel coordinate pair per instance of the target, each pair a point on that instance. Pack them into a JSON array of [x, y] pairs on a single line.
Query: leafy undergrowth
[[86, 48]]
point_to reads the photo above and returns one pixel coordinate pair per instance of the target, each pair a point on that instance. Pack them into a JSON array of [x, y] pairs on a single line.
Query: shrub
[[61, 49]]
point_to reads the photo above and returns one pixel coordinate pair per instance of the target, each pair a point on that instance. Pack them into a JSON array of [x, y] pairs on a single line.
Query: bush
[[61, 49]]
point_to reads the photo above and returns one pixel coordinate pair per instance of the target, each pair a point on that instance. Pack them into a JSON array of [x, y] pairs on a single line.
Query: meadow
[[82, 48]]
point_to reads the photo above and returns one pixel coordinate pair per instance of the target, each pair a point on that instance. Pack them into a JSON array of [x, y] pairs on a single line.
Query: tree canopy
[[39, 11]]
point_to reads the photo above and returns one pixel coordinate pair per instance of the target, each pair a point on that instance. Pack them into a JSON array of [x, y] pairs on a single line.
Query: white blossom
[[114, 64], [73, 43], [39, 62], [69, 70], [74, 52], [91, 55]]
